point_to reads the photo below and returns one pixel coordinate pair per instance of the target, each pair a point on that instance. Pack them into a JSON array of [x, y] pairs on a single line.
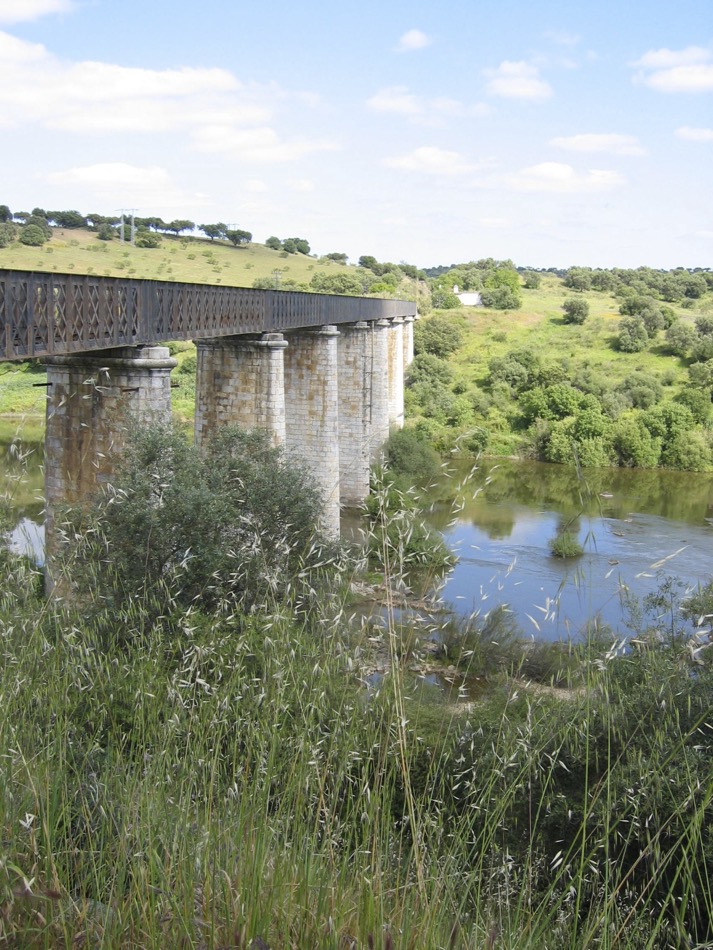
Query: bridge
[[323, 374]]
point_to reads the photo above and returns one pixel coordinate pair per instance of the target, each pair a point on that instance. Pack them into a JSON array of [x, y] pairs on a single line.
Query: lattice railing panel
[[45, 314]]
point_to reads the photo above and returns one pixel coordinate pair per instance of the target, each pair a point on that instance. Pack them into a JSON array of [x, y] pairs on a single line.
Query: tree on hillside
[[576, 310], [296, 245], [578, 278], [337, 256], [41, 223], [632, 335], [274, 243], [8, 233], [238, 237], [32, 235], [180, 224], [213, 231], [67, 219], [336, 283], [146, 238], [5, 214], [151, 224], [531, 280]]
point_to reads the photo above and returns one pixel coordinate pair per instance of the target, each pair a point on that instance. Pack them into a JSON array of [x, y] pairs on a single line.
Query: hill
[[188, 259]]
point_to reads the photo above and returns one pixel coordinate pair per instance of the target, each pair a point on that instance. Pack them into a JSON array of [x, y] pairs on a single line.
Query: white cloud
[[397, 100], [256, 186], [686, 70], [119, 183], [432, 161], [596, 142], [517, 80], [668, 58], [260, 144], [556, 177], [694, 134], [562, 37], [218, 113], [412, 40], [17, 11], [494, 223]]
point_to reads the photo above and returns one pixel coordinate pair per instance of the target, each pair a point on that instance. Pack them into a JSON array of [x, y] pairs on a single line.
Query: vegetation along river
[[635, 526]]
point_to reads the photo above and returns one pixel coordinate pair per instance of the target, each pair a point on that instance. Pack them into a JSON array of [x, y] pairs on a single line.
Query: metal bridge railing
[[46, 314]]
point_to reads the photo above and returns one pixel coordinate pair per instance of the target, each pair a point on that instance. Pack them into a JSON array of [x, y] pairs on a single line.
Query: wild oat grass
[[221, 777]]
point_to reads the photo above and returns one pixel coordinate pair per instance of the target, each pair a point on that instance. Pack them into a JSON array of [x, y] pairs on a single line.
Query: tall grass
[[222, 778]]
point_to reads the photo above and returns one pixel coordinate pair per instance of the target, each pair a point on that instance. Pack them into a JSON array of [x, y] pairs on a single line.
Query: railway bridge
[[323, 374]]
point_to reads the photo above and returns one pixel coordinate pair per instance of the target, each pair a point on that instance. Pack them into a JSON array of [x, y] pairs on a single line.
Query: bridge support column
[[379, 387], [408, 341], [396, 373], [312, 411], [92, 399], [354, 412], [241, 380]]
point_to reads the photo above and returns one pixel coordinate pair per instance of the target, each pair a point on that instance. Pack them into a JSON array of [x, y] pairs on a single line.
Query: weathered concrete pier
[[324, 375]]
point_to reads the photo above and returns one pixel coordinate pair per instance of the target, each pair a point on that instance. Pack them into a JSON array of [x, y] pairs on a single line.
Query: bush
[[632, 335], [633, 443], [501, 298], [8, 233], [32, 235], [234, 525], [439, 335], [147, 239], [409, 455], [576, 310]]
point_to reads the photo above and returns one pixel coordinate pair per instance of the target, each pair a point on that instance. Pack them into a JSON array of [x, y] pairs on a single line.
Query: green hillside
[[189, 259]]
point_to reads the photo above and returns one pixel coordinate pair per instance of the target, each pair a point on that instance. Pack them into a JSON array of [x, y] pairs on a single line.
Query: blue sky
[[551, 133]]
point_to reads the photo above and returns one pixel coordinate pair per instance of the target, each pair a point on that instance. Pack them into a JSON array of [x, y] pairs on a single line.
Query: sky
[[552, 133]]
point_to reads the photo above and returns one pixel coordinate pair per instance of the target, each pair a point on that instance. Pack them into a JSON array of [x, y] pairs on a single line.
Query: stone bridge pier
[[329, 394], [92, 400]]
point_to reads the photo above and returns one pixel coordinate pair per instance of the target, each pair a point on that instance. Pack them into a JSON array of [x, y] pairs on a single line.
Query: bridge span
[[322, 373]]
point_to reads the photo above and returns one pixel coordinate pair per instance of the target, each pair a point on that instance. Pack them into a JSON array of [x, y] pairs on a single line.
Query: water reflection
[[633, 526]]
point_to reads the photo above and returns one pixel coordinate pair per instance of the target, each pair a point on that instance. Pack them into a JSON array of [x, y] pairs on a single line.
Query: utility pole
[[130, 211]]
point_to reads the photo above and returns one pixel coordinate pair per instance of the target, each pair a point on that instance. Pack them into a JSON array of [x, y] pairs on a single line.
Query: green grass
[[186, 259], [539, 327]]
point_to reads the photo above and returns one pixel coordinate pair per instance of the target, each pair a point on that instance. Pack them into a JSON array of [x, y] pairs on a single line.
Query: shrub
[[147, 239], [439, 335], [32, 235], [501, 298], [8, 233], [566, 545], [576, 310], [408, 454], [235, 524], [632, 335], [633, 443]]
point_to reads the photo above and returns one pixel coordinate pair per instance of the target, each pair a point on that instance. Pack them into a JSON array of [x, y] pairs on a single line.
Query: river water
[[635, 526]]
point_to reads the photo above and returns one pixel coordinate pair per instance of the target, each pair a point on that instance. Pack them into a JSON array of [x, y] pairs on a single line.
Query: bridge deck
[[46, 314]]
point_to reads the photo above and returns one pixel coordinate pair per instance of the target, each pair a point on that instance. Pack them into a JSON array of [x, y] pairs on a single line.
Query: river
[[636, 527]]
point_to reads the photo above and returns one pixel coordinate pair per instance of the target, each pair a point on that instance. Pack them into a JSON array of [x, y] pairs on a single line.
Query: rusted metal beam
[[50, 314]]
